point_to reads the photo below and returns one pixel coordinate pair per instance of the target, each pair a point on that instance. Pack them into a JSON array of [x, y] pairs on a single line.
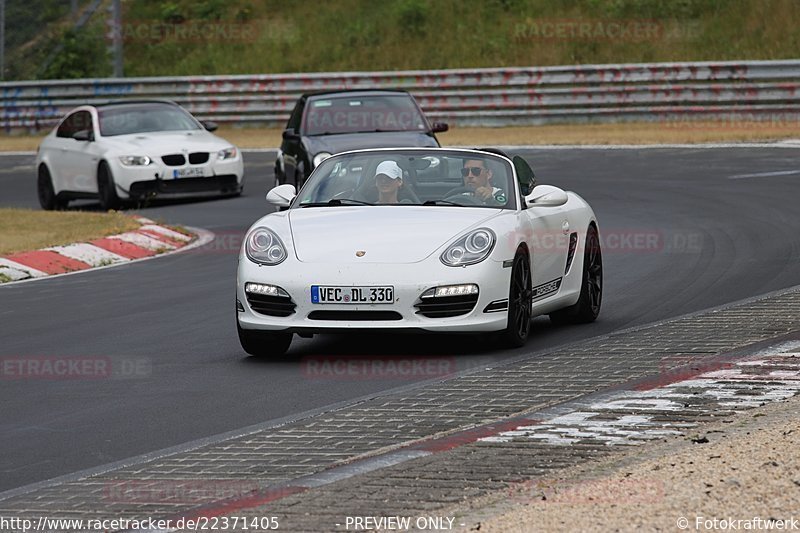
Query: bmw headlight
[[320, 157], [135, 160], [227, 153], [264, 247], [472, 248]]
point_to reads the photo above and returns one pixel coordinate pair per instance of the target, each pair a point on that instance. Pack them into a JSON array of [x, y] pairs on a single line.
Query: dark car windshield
[[143, 118], [411, 177], [354, 114]]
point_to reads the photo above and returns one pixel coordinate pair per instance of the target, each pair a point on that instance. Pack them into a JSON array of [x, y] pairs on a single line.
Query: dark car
[[326, 123]]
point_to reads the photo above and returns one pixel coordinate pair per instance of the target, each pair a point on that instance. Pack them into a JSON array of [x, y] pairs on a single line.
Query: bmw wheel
[[106, 189], [48, 198], [588, 306]]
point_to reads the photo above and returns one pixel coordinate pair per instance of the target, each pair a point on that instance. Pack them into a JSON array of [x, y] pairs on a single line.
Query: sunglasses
[[476, 171]]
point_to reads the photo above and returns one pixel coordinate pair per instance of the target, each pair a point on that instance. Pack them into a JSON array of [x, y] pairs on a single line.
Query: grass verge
[[27, 229]]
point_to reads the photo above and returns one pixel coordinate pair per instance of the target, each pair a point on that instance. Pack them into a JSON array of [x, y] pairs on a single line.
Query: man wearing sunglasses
[[478, 178]]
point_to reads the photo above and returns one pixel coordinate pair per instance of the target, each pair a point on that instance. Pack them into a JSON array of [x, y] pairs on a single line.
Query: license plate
[[324, 294], [187, 173]]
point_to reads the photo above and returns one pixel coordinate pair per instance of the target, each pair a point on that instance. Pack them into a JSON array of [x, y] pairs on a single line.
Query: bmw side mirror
[[440, 127], [546, 196], [83, 135], [289, 134], [282, 195], [209, 125]]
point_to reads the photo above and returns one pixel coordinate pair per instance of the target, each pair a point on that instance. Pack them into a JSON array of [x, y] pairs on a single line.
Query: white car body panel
[[402, 246]]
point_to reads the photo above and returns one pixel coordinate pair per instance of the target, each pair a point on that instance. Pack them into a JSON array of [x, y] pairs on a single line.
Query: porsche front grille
[[447, 306], [355, 315]]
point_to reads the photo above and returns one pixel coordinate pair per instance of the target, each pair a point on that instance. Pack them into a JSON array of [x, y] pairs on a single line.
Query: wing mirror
[[209, 125], [289, 134], [83, 135], [282, 195], [546, 196], [440, 127]]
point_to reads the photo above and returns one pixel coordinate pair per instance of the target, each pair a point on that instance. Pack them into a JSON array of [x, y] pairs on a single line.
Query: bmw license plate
[[195, 172], [325, 294]]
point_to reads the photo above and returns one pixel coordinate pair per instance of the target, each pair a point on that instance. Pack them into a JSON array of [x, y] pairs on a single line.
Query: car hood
[[334, 144], [387, 234], [166, 142]]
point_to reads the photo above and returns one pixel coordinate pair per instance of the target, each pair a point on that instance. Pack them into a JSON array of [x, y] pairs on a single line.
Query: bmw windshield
[[143, 118], [411, 177]]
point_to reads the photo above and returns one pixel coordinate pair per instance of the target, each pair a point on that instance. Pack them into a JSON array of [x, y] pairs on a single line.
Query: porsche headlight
[[264, 247], [472, 248], [227, 153], [135, 160], [320, 157]]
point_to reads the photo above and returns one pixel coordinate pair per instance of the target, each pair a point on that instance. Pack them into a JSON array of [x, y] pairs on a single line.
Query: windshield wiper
[[335, 201], [442, 202]]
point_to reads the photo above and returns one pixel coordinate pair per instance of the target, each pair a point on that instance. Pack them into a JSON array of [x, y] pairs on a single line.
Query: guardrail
[[750, 90]]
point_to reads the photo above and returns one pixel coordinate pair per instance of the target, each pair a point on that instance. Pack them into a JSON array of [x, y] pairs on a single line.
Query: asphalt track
[[684, 229]]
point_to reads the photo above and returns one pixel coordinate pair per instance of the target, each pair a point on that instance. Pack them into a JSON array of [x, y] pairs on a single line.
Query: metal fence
[[747, 90]]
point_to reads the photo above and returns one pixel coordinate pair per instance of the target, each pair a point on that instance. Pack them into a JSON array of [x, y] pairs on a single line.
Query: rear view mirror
[[83, 135], [289, 134], [546, 196], [209, 125], [282, 195], [440, 127]]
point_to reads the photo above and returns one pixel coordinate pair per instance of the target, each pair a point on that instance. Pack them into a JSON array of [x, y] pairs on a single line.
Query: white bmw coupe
[[134, 150], [431, 239]]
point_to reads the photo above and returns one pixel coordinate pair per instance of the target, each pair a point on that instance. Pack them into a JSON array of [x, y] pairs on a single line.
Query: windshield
[[326, 116], [451, 178], [143, 118]]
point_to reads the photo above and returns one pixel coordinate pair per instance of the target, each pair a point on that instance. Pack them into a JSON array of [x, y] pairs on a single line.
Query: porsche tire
[[587, 308], [520, 296], [264, 343]]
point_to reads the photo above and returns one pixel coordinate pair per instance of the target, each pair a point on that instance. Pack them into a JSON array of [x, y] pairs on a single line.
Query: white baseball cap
[[391, 169]]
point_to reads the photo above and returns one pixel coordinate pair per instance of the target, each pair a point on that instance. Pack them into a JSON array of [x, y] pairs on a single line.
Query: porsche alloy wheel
[[519, 303], [106, 189], [264, 343], [588, 306]]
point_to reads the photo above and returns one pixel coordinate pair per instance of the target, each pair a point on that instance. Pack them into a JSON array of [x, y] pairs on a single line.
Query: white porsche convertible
[[431, 239], [133, 151]]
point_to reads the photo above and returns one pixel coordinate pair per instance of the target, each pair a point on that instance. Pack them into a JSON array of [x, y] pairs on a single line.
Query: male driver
[[478, 178], [388, 180]]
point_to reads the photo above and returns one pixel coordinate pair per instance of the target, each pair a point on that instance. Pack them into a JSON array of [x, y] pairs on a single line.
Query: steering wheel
[[457, 195]]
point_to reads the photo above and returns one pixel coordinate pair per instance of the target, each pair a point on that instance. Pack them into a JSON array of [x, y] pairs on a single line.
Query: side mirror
[[546, 196], [209, 125], [290, 135], [83, 135], [440, 127], [282, 195]]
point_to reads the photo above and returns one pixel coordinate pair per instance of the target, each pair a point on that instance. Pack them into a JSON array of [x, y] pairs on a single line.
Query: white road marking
[[764, 174]]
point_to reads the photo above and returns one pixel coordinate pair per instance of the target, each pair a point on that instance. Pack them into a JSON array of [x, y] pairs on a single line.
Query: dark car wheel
[[519, 303], [264, 343], [588, 306], [106, 189], [48, 198]]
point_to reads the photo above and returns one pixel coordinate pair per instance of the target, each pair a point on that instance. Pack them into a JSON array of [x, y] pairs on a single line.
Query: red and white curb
[[148, 241]]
